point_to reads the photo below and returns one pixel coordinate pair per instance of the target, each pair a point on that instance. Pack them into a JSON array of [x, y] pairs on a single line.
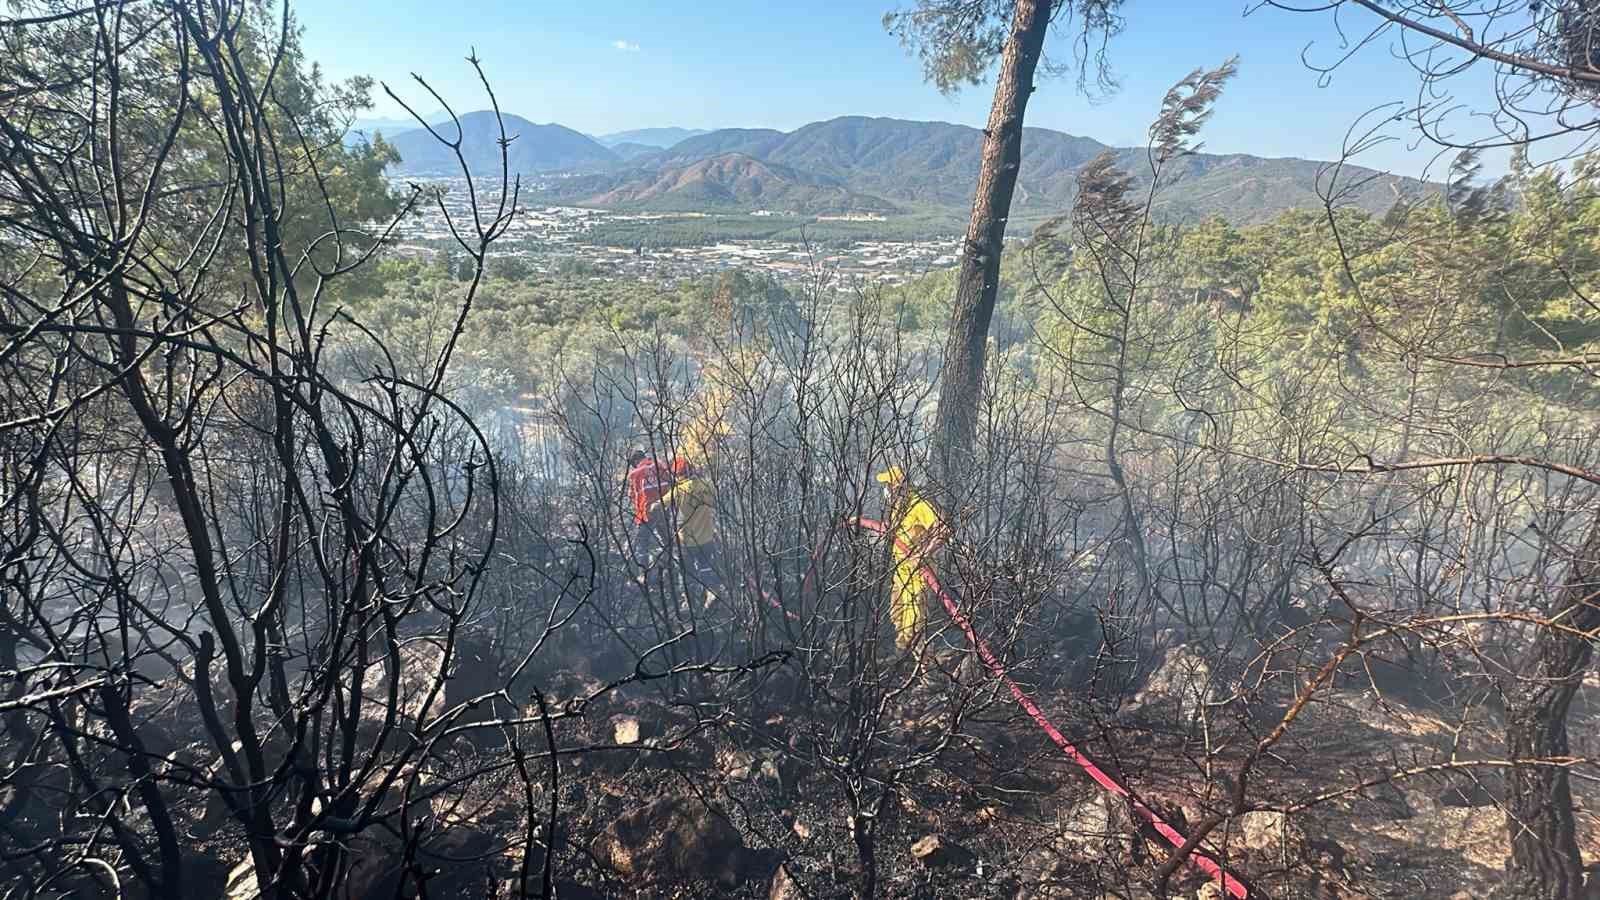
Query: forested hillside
[[873, 165], [952, 513]]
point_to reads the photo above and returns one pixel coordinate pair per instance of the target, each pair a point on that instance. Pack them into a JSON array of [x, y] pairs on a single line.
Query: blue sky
[[603, 67]]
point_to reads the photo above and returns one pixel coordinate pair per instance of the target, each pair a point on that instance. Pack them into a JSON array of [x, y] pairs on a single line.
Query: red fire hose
[[1210, 866]]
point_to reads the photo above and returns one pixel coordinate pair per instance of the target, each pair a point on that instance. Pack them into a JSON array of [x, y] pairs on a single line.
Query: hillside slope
[[936, 164], [534, 148], [733, 180]]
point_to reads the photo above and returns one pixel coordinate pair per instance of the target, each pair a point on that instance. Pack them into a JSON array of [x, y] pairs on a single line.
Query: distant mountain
[[757, 142], [1249, 189], [864, 164], [932, 163], [533, 148], [936, 164], [733, 180], [628, 150], [660, 138]]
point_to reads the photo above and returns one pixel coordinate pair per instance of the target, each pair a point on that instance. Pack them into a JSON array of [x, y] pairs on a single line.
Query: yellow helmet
[[891, 476]]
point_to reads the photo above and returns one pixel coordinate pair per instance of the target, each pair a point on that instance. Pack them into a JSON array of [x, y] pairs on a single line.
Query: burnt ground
[[653, 803], [1024, 822]]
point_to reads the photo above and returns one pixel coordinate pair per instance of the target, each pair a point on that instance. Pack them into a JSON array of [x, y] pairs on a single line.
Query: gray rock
[[1099, 825], [1267, 832], [1184, 684], [673, 839], [742, 765], [626, 730], [784, 887], [938, 852]]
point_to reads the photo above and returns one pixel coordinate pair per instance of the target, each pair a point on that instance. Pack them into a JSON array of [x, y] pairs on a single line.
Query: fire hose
[[1201, 860], [1207, 864]]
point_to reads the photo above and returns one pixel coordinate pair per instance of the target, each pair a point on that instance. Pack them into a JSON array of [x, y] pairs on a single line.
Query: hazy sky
[[604, 67]]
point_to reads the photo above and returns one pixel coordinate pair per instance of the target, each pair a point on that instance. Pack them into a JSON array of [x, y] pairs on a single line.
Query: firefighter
[[917, 532], [648, 479], [692, 502]]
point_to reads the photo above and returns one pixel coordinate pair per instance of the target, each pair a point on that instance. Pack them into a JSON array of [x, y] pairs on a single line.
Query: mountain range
[[533, 148], [660, 138], [859, 164]]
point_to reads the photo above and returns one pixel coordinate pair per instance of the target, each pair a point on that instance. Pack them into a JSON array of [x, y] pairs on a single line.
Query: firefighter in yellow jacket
[[917, 532], [692, 502]]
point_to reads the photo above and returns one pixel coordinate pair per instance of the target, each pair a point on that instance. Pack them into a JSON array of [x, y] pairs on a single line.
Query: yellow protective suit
[[695, 504], [913, 514]]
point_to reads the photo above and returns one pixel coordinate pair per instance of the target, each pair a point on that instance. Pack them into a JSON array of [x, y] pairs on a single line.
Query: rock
[[241, 884], [1099, 825], [673, 839], [626, 730], [214, 810], [217, 675], [563, 689], [767, 773], [1045, 875], [1462, 895], [784, 887], [420, 663], [1183, 684], [1267, 832], [457, 864], [1392, 803], [741, 765], [738, 765], [1210, 891], [937, 852]]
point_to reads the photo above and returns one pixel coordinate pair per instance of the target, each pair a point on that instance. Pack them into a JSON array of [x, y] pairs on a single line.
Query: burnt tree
[[957, 42], [979, 280], [1544, 836]]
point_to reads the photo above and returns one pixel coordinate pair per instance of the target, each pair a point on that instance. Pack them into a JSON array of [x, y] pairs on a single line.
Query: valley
[[668, 248]]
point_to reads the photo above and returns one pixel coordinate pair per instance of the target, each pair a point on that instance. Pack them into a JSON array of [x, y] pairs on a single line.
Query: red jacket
[[646, 483]]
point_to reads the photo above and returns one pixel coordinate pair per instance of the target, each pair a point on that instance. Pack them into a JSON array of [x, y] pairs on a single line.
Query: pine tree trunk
[[1545, 861], [961, 382]]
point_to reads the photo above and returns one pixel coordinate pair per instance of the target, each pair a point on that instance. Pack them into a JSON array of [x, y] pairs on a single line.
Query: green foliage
[[1322, 333], [1370, 297], [958, 40], [1280, 315], [525, 334]]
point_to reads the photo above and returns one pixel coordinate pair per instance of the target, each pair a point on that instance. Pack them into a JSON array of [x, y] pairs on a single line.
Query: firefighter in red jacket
[[648, 479]]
